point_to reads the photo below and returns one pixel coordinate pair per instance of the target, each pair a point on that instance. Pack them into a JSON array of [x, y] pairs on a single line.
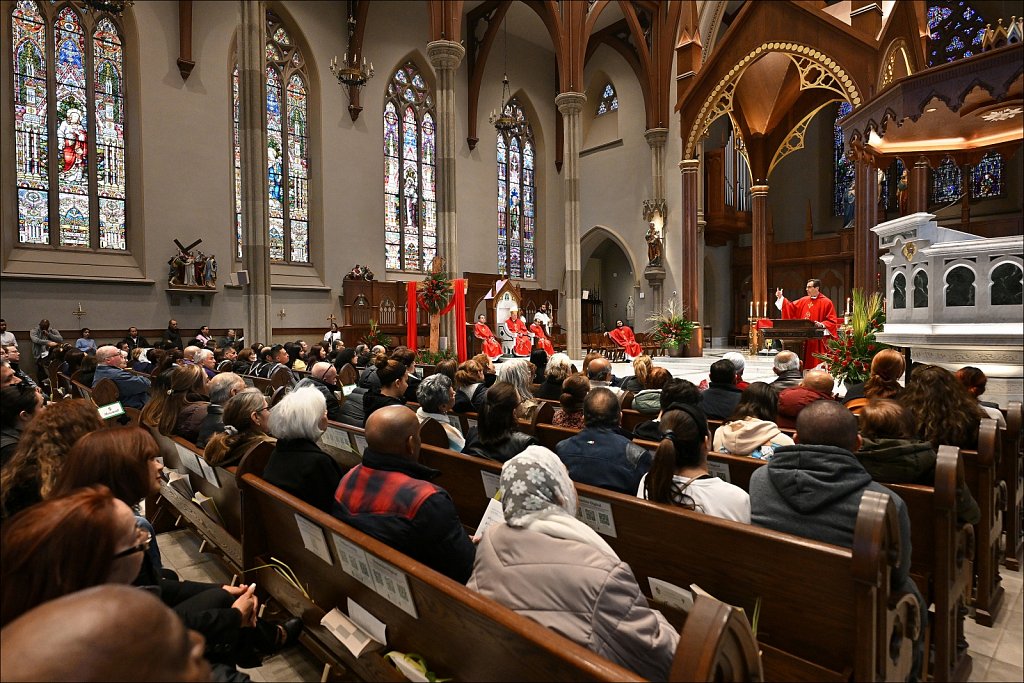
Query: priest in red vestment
[[490, 345], [537, 328], [623, 336], [815, 306], [517, 326]]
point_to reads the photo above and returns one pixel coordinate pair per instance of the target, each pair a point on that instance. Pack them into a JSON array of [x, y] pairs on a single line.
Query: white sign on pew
[[209, 473], [719, 469], [189, 459], [392, 584], [353, 561], [360, 442], [313, 538], [597, 515], [337, 438], [491, 481]]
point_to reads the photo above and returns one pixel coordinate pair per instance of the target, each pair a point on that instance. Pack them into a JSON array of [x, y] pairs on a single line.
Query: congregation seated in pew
[[719, 400], [222, 387], [816, 385], [679, 470], [437, 398], [786, 366], [942, 409], [975, 381], [19, 403], [887, 368], [599, 372], [675, 391], [496, 436], [393, 378], [323, 378], [246, 422], [648, 400], [470, 387], [547, 565], [517, 373], [751, 429], [132, 389], [180, 409], [389, 496], [557, 370], [570, 415]]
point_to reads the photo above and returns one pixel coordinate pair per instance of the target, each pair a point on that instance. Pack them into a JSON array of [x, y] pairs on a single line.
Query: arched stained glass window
[[517, 204], [946, 182], [987, 177], [69, 126], [287, 148], [609, 100], [842, 167], [956, 31], [410, 199]]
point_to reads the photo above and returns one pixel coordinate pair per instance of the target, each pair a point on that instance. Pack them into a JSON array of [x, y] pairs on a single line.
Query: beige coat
[[577, 591]]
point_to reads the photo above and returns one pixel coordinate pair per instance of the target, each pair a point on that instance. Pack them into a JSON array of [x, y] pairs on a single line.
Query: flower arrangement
[[428, 357], [434, 292], [849, 354], [671, 327], [375, 337]]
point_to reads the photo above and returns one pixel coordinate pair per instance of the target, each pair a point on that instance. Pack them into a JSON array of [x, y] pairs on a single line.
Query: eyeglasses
[[138, 547]]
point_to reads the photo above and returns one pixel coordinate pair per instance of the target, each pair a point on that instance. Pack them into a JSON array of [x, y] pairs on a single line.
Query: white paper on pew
[[353, 561], [408, 670], [360, 443], [491, 481], [597, 515], [671, 594], [366, 621], [209, 473], [348, 633], [313, 538], [348, 389], [392, 584], [189, 459], [719, 469], [337, 438], [493, 514]]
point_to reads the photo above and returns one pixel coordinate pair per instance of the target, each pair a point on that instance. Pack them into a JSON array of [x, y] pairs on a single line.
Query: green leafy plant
[[849, 354], [670, 326], [427, 357], [375, 336]]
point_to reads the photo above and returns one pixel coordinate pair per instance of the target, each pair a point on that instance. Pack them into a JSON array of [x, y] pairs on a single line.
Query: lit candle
[[757, 309], [751, 309], [766, 309], [847, 305]]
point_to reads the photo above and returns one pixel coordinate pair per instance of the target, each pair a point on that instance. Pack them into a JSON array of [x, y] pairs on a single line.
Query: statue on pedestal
[[654, 246]]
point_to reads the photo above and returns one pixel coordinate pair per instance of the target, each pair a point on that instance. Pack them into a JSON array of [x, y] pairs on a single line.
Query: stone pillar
[[865, 217], [569, 105], [445, 56], [689, 287], [655, 275], [917, 186], [759, 247], [252, 143]]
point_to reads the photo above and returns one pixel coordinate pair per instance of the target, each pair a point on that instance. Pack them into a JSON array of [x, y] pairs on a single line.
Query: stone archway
[[608, 269]]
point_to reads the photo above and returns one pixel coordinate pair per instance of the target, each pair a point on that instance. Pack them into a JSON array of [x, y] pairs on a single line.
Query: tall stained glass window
[[410, 199], [69, 126], [946, 182], [842, 166], [609, 100], [956, 31], [517, 203], [287, 148], [987, 177]]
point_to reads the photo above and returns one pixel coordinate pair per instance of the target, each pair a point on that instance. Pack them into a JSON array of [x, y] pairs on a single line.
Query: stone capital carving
[[445, 54], [758, 190], [570, 102], [689, 165], [656, 137]]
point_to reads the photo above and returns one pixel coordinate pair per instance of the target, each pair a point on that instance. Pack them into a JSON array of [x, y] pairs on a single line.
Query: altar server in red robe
[[537, 328], [517, 326], [623, 336], [491, 346], [815, 306]]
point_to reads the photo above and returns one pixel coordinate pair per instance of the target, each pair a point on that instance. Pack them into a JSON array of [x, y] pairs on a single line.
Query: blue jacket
[[601, 457], [392, 499], [133, 390]]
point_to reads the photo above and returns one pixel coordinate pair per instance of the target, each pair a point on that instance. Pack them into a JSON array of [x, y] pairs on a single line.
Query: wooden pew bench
[[1012, 472], [462, 634], [836, 627]]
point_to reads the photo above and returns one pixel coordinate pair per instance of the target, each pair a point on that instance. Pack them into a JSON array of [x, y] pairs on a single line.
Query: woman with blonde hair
[[887, 368], [642, 367], [32, 471], [246, 422]]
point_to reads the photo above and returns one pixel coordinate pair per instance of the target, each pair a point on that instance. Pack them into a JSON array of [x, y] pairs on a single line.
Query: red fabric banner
[[458, 303], [411, 305]]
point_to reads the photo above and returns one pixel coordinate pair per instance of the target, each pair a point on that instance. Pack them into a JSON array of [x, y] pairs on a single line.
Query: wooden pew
[[981, 473], [105, 391], [549, 435], [462, 634], [1012, 472], [836, 627]]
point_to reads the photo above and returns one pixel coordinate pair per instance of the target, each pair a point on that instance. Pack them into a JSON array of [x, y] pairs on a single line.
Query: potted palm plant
[[671, 328]]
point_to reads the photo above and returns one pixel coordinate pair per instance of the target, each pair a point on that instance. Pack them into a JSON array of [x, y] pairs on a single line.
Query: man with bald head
[[324, 376], [389, 496], [75, 638], [599, 372], [786, 366], [816, 385], [133, 390]]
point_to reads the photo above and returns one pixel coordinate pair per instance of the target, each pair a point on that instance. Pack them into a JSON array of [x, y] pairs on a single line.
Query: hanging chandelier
[[351, 73], [501, 118], [112, 6]]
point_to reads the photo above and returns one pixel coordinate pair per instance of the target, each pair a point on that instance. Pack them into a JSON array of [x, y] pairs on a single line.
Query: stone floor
[[998, 652]]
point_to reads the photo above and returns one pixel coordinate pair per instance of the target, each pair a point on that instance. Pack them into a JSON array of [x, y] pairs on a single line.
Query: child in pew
[[545, 564], [890, 453], [679, 471]]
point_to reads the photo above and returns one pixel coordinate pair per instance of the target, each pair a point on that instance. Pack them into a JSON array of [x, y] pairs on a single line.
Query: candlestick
[[847, 305], [751, 310]]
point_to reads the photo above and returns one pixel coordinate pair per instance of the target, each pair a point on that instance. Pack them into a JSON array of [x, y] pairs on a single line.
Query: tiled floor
[[998, 652]]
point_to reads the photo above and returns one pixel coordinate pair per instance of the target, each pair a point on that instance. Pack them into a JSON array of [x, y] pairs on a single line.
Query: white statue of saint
[[630, 308]]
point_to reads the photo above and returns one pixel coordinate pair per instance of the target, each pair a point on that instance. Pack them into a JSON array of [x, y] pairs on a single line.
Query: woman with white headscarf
[[547, 565]]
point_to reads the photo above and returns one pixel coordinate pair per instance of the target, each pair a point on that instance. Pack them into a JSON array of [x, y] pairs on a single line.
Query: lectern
[[794, 333]]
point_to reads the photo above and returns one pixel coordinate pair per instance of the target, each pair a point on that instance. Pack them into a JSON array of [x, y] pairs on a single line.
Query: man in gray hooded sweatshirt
[[813, 489]]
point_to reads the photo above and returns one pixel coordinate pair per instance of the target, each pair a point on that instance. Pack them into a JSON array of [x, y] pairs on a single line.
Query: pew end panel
[[1012, 469], [981, 474]]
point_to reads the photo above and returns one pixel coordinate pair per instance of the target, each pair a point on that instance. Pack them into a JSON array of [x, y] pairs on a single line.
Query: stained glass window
[[987, 177], [956, 31], [287, 148], [517, 210], [69, 126], [946, 182], [842, 179], [609, 100], [410, 182]]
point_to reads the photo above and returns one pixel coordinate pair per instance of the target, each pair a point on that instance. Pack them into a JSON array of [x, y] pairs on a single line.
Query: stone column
[[865, 217], [655, 275], [569, 105], [445, 56], [759, 247], [252, 143], [689, 287], [917, 186]]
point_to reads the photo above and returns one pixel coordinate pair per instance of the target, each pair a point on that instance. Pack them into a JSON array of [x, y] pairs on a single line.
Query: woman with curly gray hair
[[436, 398], [558, 369]]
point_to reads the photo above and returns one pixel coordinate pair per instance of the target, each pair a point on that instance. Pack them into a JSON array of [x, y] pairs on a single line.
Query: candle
[[766, 309], [847, 305], [751, 310], [757, 309]]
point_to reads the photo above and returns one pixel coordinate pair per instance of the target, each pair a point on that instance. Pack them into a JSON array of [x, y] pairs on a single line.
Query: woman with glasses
[[246, 423]]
